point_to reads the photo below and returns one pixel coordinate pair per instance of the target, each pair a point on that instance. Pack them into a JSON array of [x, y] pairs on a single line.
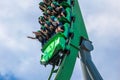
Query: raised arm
[[31, 37]]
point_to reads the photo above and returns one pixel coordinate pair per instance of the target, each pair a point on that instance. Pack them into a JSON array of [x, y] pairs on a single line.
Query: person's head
[[45, 14], [48, 24], [54, 4], [46, 1], [42, 5], [49, 10], [43, 28], [52, 18], [41, 20]]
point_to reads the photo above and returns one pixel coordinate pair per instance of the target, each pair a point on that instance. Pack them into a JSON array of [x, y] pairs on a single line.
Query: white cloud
[[14, 27], [103, 24], [30, 68], [21, 56], [7, 39], [15, 23]]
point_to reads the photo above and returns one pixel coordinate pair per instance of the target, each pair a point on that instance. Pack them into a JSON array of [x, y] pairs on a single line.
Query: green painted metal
[[55, 44], [66, 30], [66, 68]]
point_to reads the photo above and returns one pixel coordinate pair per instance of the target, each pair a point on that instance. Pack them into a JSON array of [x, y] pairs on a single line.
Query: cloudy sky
[[19, 56]]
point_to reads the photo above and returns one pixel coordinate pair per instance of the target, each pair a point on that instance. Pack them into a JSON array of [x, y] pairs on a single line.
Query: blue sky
[[19, 56]]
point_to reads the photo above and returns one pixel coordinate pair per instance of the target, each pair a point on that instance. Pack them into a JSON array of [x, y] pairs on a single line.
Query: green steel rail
[[78, 27]]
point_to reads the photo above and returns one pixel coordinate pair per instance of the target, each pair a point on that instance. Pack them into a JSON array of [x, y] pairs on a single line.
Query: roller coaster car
[[52, 47], [51, 50]]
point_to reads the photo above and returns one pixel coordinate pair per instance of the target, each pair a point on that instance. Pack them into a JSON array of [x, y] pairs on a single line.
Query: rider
[[46, 16], [57, 24], [60, 9], [49, 25], [47, 2], [43, 6], [41, 20], [39, 37]]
